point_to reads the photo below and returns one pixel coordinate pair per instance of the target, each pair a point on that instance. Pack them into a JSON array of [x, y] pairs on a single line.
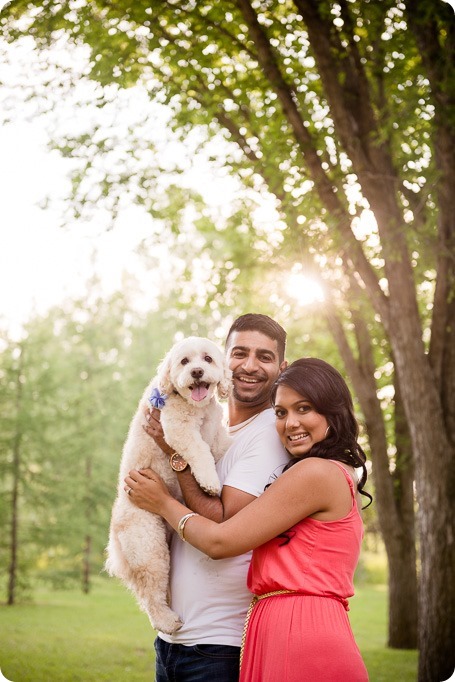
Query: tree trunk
[[437, 624], [12, 572], [403, 589], [435, 474], [421, 392], [86, 567], [436, 517], [397, 529], [13, 565], [394, 503]]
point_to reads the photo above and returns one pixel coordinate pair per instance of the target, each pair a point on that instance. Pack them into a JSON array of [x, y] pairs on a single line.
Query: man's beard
[[258, 397]]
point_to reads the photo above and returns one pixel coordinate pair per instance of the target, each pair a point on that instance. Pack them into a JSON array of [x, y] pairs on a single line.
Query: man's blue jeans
[[199, 663]]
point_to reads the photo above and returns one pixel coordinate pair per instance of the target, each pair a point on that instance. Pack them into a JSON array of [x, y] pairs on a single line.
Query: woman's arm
[[311, 486]]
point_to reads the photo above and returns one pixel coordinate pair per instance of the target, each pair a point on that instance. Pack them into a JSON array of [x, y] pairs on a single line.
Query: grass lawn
[[71, 637], [368, 615]]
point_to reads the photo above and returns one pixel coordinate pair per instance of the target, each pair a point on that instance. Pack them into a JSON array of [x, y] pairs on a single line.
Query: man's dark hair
[[256, 322]]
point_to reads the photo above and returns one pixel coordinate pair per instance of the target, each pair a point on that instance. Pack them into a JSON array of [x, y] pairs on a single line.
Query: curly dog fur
[[191, 374]]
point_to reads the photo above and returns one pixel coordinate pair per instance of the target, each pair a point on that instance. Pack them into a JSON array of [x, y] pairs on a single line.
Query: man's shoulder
[[264, 420], [259, 435], [255, 457], [262, 423], [267, 416]]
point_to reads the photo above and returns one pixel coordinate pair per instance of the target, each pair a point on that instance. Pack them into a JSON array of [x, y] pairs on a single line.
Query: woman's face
[[298, 424]]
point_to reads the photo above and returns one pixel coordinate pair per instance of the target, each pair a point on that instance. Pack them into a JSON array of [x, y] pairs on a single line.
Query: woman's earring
[[326, 431]]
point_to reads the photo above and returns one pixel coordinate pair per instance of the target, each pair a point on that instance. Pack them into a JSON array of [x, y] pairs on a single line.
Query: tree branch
[[324, 186]]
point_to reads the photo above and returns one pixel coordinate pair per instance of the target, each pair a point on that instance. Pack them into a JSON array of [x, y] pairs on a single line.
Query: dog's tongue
[[199, 392]]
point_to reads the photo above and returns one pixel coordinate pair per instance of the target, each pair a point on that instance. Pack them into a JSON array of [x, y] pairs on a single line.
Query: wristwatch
[[177, 462]]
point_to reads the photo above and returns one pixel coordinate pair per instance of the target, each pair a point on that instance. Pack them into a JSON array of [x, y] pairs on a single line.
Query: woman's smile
[[297, 437]]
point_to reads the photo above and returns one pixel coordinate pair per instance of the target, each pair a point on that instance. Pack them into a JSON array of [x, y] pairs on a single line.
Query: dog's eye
[[208, 359], [185, 361]]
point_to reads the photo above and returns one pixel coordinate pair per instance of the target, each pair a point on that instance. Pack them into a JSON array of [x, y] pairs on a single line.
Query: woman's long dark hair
[[324, 387]]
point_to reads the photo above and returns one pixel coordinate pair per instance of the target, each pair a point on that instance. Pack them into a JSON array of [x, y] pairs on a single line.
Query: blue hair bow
[[157, 399]]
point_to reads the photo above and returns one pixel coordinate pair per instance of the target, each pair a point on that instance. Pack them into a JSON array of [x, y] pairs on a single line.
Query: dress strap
[[348, 476]]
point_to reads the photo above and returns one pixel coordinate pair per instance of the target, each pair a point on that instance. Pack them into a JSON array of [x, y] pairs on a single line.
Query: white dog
[[185, 386]]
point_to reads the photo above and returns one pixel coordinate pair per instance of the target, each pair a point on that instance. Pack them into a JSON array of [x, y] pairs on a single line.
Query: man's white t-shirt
[[211, 596]]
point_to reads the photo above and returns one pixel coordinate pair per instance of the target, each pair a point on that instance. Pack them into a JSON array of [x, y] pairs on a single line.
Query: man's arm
[[212, 507]]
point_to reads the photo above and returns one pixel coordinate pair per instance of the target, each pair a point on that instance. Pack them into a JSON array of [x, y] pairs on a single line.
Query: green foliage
[[328, 108], [81, 369], [202, 63]]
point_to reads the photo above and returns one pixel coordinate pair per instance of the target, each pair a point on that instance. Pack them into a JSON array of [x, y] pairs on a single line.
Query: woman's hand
[[147, 490]]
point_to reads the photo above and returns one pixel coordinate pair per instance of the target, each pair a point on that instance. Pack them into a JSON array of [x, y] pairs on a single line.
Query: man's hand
[[155, 430]]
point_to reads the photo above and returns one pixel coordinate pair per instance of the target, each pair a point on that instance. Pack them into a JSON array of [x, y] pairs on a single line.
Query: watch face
[[177, 462]]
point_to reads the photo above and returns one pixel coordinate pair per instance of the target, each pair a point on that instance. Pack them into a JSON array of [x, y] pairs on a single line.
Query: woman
[[305, 531]]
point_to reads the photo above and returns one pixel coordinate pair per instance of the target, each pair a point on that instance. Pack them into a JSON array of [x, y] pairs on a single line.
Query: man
[[210, 596]]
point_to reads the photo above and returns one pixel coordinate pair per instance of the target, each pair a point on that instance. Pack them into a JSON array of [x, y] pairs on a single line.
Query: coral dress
[[305, 637]]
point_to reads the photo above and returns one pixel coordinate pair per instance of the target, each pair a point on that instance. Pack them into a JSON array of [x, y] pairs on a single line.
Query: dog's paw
[[211, 489], [206, 476], [167, 622]]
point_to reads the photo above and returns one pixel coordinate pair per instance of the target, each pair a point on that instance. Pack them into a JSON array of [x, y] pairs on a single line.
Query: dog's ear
[[225, 384], [164, 374]]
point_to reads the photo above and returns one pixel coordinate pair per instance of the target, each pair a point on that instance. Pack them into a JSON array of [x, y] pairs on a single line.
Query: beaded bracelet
[[181, 524]]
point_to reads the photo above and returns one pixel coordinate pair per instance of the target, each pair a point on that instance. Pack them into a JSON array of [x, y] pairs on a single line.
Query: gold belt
[[258, 597], [253, 602]]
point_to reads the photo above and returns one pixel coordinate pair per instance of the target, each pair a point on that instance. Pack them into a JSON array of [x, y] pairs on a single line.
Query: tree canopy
[[334, 109]]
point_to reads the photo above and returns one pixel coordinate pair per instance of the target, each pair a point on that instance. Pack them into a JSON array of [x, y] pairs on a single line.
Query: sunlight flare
[[304, 289]]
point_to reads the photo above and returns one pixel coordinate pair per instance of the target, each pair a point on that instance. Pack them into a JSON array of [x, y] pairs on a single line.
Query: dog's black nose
[[197, 373]]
